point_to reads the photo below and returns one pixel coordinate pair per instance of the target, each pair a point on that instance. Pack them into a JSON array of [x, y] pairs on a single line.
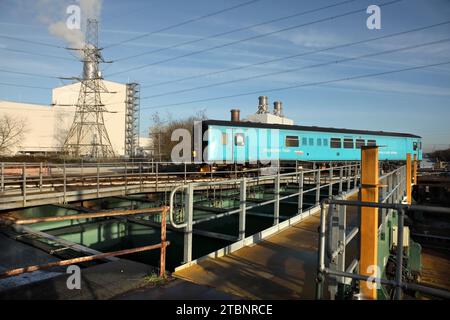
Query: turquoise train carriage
[[247, 142]]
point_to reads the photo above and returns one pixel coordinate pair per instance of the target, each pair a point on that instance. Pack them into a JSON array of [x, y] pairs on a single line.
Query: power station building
[[46, 126]]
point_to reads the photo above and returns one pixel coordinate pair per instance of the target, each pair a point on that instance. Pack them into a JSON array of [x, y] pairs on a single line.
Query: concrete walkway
[[281, 267]]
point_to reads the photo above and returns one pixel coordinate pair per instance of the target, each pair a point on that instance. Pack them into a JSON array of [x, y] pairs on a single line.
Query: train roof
[[306, 128]]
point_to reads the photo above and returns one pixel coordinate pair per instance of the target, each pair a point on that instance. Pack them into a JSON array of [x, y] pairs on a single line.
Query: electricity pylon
[[88, 135]]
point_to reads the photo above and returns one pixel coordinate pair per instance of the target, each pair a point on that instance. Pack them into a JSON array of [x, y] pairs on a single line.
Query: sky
[[368, 94]]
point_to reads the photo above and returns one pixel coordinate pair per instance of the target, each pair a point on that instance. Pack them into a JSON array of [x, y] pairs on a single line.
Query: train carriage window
[[360, 143], [325, 142], [224, 138], [348, 144], [304, 141], [239, 139], [420, 145], [319, 142], [414, 146], [371, 142], [335, 143], [291, 141], [311, 141]]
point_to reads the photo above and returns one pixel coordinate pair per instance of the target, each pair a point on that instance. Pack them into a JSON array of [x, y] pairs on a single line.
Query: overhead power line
[[23, 86], [32, 41], [348, 44], [182, 23], [302, 85], [37, 54], [235, 30], [252, 38], [29, 74], [323, 64]]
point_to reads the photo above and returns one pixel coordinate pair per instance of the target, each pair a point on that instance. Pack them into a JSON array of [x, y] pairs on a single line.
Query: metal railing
[[333, 239], [30, 184], [23, 183], [162, 245], [304, 182]]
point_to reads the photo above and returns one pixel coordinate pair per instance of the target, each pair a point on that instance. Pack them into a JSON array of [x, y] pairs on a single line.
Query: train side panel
[[243, 144]]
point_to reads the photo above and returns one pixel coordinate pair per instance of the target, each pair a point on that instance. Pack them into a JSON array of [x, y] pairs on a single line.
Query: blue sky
[[415, 101]]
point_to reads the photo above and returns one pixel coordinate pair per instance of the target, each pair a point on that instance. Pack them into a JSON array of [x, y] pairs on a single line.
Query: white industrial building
[[46, 126]]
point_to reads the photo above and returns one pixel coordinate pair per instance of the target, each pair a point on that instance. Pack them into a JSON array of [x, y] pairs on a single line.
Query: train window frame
[[371, 142], [304, 141], [358, 144], [240, 143], [311, 141], [325, 142], [349, 143], [292, 141], [415, 145], [319, 142], [333, 142], [224, 138]]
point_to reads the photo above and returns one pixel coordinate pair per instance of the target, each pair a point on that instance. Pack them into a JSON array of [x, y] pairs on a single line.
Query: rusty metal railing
[[162, 245]]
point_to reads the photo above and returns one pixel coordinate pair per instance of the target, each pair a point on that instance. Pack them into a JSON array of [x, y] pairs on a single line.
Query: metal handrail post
[[242, 205], [318, 187], [2, 182], [24, 183], [349, 173], [98, 180], [399, 267], [157, 170], [330, 186], [65, 183], [276, 210], [300, 194], [40, 176], [126, 178], [321, 257], [189, 212], [140, 176], [341, 174], [162, 264]]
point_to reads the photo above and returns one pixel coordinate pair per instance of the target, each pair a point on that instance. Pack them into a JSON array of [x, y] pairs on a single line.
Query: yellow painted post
[[369, 220], [415, 169], [408, 178]]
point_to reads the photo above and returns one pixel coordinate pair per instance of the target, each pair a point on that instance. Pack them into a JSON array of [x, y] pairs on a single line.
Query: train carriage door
[[239, 145]]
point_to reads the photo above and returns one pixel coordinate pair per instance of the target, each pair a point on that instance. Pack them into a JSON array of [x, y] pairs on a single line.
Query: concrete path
[[281, 267]]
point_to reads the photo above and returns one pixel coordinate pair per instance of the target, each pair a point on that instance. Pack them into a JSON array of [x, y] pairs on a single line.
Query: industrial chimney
[[278, 108], [235, 115], [263, 106]]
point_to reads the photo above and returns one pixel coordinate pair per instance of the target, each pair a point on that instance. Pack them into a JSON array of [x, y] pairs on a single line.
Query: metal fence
[[294, 185], [334, 238], [97, 256], [30, 184]]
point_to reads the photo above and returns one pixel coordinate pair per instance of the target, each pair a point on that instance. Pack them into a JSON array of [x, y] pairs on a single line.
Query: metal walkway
[[283, 266]]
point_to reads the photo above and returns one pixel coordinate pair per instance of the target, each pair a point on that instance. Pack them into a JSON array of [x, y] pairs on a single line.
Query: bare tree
[[162, 128], [12, 130]]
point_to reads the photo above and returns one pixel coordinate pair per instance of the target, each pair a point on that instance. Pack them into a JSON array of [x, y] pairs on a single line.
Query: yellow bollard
[[369, 220], [415, 169], [408, 178]]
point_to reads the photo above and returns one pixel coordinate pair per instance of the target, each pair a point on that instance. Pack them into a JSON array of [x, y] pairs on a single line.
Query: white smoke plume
[[54, 14]]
